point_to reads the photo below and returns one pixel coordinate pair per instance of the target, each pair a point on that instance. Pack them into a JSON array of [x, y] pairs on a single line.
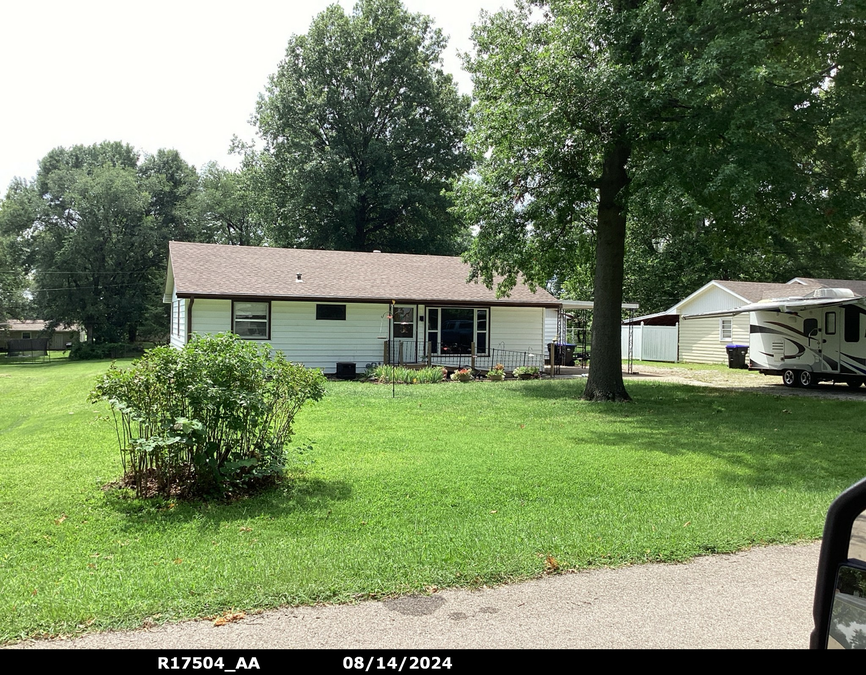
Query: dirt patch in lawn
[[743, 380]]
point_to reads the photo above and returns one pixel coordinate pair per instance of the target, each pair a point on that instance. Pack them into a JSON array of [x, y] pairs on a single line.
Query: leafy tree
[[94, 228], [666, 262], [363, 131], [173, 186], [16, 213], [92, 260], [744, 114], [230, 206]]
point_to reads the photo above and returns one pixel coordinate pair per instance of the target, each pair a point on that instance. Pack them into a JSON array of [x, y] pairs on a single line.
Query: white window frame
[[266, 321], [730, 329]]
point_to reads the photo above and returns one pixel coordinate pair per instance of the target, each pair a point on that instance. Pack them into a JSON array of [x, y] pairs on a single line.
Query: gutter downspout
[[188, 321]]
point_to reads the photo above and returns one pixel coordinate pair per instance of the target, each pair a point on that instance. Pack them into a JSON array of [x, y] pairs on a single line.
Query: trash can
[[563, 353], [737, 356]]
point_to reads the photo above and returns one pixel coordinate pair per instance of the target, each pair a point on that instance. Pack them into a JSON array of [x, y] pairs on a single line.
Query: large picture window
[[452, 330], [251, 320]]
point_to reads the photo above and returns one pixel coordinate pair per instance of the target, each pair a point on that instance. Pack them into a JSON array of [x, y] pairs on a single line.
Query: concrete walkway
[[760, 598]]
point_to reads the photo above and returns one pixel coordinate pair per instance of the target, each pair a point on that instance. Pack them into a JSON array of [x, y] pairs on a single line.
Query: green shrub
[[82, 351], [211, 417]]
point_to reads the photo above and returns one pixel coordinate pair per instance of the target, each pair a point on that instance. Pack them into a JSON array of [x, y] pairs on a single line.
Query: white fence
[[651, 343]]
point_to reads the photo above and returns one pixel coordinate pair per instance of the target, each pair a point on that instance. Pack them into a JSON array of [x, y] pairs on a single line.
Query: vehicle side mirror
[[839, 609]]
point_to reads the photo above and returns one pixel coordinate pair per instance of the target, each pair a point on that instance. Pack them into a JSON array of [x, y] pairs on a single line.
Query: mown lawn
[[444, 485]]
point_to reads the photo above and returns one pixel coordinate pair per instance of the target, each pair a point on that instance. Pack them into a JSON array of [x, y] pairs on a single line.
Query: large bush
[[209, 418]]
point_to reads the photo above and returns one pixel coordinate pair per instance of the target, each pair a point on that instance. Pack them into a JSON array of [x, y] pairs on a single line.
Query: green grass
[[445, 485]]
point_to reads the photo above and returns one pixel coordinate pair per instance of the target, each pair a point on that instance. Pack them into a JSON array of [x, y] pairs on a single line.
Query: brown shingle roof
[[755, 291], [214, 270]]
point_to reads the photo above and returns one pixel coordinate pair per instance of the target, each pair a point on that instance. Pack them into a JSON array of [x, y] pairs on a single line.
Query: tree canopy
[[230, 205], [737, 121], [93, 230], [363, 132]]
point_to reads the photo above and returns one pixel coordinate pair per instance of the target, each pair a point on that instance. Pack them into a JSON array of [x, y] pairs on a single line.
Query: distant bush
[[82, 351], [210, 418], [387, 374]]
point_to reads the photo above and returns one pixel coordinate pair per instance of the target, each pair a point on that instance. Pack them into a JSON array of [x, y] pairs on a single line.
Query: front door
[[403, 331]]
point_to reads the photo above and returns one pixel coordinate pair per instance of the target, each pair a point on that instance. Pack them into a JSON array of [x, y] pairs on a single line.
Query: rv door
[[829, 347]]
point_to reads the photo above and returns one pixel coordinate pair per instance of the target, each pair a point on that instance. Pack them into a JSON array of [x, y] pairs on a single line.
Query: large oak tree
[[742, 115], [363, 132]]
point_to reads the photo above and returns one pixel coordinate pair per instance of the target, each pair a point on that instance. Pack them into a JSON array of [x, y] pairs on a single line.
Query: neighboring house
[[321, 308], [26, 330], [704, 340]]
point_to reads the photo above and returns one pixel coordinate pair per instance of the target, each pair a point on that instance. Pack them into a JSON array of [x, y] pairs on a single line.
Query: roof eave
[[504, 302]]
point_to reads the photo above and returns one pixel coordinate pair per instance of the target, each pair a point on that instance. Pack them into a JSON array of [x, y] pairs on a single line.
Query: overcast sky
[[181, 74]]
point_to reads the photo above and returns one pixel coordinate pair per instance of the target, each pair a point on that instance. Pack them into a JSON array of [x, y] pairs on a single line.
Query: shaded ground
[[743, 380]]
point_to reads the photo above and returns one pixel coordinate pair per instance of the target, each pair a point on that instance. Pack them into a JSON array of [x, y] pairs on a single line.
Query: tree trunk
[[605, 370]]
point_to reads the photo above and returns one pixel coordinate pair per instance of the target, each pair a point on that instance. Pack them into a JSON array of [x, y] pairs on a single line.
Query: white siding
[[178, 334], [211, 316], [699, 338], [322, 344], [517, 328], [550, 325], [713, 299], [700, 343], [359, 339]]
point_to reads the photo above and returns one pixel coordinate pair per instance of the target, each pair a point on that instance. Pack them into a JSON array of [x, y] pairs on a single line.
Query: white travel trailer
[[819, 337]]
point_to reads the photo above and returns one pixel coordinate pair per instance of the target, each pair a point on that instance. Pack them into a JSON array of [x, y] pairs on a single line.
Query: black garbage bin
[[563, 353], [737, 356]]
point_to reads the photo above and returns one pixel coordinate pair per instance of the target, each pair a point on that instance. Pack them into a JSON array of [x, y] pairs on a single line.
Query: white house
[[321, 308], [704, 340]]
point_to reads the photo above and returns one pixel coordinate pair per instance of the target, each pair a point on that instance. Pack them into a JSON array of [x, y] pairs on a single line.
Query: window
[[852, 324], [726, 331], [830, 323], [452, 330], [251, 320], [404, 323], [330, 312], [25, 336]]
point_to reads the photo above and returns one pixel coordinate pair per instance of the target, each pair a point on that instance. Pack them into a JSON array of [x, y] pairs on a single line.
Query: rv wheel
[[854, 384], [806, 379], [789, 378]]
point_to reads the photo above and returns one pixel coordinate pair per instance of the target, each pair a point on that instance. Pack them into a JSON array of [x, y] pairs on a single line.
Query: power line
[[80, 288]]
